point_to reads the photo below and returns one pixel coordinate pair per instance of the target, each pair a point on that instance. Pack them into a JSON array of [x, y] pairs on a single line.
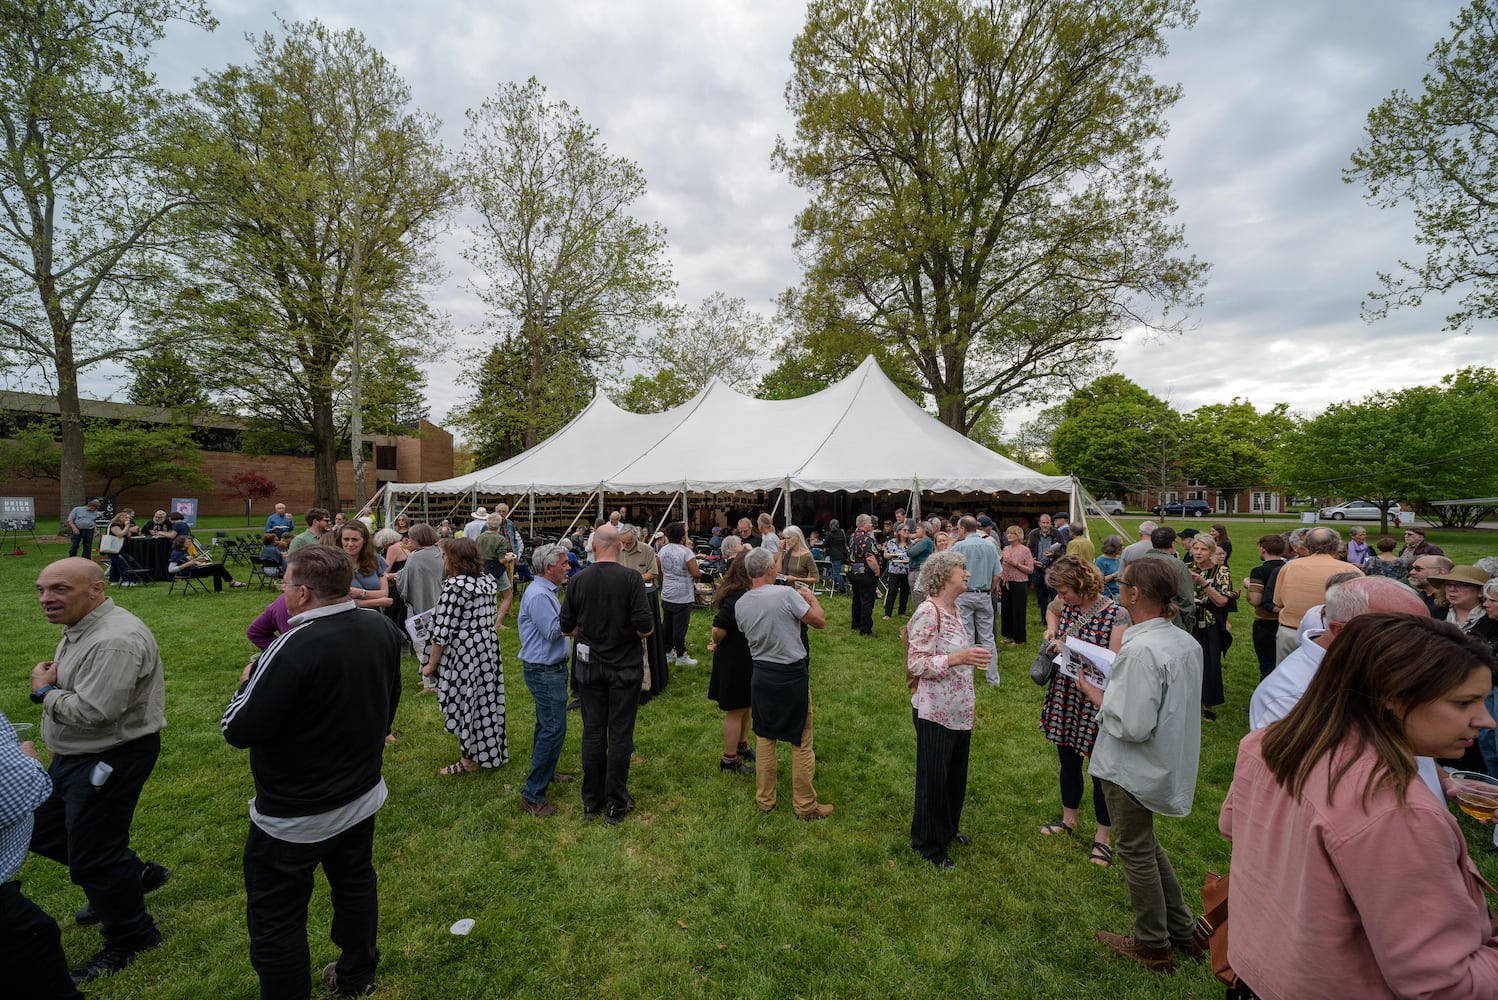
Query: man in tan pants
[[770, 618]]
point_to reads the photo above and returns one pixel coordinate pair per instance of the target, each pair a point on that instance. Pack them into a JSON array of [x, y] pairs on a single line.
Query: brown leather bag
[[1211, 929]]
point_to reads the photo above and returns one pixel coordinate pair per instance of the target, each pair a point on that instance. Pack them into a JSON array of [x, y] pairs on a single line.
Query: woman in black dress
[[733, 667]]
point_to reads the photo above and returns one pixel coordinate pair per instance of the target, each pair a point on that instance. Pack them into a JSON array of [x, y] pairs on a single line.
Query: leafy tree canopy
[[1437, 152], [987, 207]]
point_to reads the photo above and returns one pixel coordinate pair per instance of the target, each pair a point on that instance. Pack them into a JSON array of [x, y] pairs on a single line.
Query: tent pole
[[600, 501], [685, 517], [531, 494], [426, 513], [787, 495]]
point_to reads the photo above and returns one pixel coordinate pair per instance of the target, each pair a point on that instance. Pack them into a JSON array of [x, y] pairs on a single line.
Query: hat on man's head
[[1416, 529], [985, 521], [479, 512], [1061, 515], [1461, 574]]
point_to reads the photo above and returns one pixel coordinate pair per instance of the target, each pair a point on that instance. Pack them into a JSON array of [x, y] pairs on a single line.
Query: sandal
[[1101, 854], [456, 768], [1055, 827]]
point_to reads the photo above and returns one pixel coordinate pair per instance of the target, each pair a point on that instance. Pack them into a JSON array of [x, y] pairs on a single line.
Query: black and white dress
[[470, 676]]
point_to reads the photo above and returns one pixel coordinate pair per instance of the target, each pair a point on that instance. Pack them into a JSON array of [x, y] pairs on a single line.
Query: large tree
[[85, 204], [1117, 437], [324, 190], [1437, 153], [722, 337], [1411, 445], [506, 408], [564, 264], [1232, 446], [986, 206]]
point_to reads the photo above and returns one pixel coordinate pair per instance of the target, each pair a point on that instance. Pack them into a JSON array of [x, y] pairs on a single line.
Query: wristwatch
[[40, 694]]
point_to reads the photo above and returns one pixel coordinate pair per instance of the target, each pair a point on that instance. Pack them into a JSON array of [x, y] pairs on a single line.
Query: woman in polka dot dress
[[465, 660]]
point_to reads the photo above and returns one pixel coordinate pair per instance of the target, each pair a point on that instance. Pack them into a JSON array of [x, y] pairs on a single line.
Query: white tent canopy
[[859, 434]]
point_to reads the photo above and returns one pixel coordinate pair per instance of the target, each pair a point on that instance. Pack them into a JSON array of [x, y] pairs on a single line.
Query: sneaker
[[736, 766], [592, 812], [152, 877], [111, 959], [747, 753], [615, 813], [330, 983], [1154, 959], [685, 661]]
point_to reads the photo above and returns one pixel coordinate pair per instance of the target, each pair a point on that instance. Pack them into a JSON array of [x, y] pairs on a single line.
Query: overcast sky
[[1275, 96]]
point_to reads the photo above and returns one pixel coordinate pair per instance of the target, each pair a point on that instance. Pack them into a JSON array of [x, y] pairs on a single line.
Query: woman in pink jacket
[[1350, 878]]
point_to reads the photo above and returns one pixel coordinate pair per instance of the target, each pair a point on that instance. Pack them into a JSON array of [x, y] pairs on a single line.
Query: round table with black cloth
[[153, 554]]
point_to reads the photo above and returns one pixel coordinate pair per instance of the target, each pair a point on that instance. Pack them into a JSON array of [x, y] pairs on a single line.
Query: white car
[[1358, 510], [1107, 507]]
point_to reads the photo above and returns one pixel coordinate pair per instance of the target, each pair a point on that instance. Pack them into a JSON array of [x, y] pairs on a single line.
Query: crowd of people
[[1375, 668]]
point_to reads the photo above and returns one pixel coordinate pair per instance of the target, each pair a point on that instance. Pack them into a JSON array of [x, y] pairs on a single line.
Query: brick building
[[424, 454], [1258, 500]]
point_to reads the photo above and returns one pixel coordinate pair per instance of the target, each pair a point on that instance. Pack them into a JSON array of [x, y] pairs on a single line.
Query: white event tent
[[860, 434]]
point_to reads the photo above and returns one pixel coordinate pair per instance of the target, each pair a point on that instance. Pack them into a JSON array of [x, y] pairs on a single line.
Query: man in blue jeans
[[543, 655]]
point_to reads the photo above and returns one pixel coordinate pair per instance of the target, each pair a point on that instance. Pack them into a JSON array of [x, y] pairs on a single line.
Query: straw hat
[[1462, 574], [479, 513]]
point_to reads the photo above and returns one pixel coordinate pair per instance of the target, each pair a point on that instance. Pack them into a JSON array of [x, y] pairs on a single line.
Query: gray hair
[[794, 533], [864, 520], [492, 522], [547, 556], [628, 531], [1490, 589], [758, 562], [1145, 527], [385, 537], [1297, 537], [731, 545], [1359, 595], [938, 569], [1489, 565]]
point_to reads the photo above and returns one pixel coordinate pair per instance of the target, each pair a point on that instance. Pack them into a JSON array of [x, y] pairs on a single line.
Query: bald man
[[1281, 690], [103, 708]]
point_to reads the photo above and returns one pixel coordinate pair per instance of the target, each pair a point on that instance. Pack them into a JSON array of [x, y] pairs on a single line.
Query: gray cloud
[[1275, 94]]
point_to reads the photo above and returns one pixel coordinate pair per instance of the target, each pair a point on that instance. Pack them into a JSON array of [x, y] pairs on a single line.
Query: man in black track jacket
[[314, 710]]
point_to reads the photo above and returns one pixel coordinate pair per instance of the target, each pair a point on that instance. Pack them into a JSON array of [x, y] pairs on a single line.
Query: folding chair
[[233, 552], [267, 574], [824, 577], [188, 581], [133, 572]]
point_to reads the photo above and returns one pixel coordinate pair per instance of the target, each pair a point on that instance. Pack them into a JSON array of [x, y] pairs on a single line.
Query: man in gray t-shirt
[[770, 618], [81, 524]]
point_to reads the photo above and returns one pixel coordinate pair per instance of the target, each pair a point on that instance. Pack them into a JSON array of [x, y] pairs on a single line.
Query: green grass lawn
[[694, 895]]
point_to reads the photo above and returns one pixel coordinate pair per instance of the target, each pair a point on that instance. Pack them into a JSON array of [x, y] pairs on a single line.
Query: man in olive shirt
[[642, 559], [318, 521], [104, 706]]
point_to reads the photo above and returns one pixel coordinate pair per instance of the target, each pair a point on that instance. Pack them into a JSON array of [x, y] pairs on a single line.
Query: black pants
[[865, 593], [1012, 611], [609, 707], [896, 583], [278, 887], [31, 950], [89, 831], [1072, 783], [218, 572], [941, 756], [677, 618], [1043, 594], [1264, 634]]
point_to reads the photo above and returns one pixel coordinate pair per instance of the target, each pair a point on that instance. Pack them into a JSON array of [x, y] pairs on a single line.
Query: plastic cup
[[1476, 794], [23, 730]]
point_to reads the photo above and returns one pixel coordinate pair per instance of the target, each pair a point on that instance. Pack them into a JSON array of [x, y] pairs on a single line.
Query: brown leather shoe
[[540, 810], [1190, 950], [562, 779], [1154, 959], [817, 812]]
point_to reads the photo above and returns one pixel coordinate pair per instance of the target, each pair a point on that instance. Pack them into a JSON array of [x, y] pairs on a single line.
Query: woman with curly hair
[[465, 659], [1067, 718]]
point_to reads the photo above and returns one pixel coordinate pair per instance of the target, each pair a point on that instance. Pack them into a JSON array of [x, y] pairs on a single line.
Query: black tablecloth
[[153, 554]]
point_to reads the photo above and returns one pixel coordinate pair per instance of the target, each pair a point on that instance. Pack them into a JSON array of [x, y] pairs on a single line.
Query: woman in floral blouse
[[1214, 590], [939, 663]]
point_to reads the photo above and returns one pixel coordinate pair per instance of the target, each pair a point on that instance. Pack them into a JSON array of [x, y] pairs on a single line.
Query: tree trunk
[[69, 412], [534, 343], [324, 455]]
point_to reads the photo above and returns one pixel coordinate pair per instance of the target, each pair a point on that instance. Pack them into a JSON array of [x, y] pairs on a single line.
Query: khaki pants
[[1286, 641], [803, 771]]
